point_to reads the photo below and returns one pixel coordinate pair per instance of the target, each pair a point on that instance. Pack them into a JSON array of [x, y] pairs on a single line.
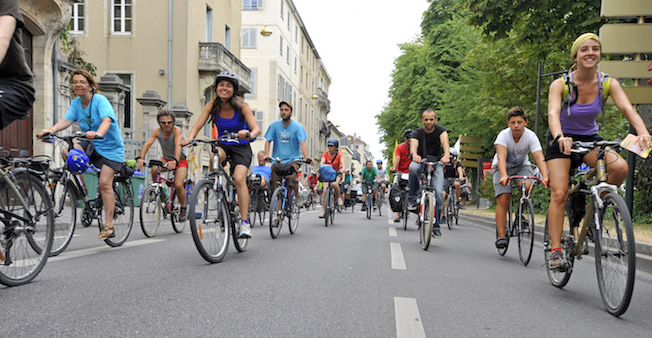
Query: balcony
[[215, 58]]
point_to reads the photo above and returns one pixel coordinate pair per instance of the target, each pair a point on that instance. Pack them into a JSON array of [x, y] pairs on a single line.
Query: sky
[[358, 43]]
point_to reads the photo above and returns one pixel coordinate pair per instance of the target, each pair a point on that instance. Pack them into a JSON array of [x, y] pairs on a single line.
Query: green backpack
[[570, 88]]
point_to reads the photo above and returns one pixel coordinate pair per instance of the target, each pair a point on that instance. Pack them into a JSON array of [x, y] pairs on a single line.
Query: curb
[[643, 250]]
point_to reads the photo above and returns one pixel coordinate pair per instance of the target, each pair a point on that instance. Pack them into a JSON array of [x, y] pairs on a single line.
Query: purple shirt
[[579, 119]]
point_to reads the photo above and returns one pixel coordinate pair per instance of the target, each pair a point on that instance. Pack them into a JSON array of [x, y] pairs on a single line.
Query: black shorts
[[97, 159], [238, 154], [576, 159], [15, 102]]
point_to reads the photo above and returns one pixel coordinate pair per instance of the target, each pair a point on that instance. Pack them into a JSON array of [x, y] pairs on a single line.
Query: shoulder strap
[[604, 86]]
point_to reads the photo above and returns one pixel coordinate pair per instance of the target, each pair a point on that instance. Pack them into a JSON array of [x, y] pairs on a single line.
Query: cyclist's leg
[[180, 177], [323, 198], [617, 166], [106, 189], [336, 187], [458, 190], [240, 178], [558, 169], [438, 183], [502, 202], [413, 182], [154, 172]]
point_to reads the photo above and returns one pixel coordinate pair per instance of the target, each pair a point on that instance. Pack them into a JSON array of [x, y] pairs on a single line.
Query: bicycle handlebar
[[228, 137], [520, 177], [580, 147]]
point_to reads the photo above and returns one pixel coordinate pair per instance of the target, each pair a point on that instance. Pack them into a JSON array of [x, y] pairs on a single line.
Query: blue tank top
[[232, 125]]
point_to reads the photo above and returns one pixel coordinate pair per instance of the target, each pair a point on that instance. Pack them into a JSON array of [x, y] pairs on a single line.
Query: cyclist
[[16, 78], [169, 137], [229, 113], [369, 177], [382, 177], [512, 147], [261, 169], [332, 157], [346, 185], [289, 139], [575, 121], [402, 162], [452, 169], [431, 142], [95, 116], [465, 190], [313, 183]]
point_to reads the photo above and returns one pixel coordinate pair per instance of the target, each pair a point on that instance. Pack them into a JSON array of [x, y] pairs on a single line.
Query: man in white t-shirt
[[512, 147]]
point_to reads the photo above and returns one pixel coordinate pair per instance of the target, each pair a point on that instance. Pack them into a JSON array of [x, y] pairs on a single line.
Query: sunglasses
[[166, 122]]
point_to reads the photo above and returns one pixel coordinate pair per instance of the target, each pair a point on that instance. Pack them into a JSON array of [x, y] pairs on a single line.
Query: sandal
[[321, 216], [501, 242], [106, 232]]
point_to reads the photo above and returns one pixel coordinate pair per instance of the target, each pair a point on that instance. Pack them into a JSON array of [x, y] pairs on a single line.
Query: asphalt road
[[356, 278]]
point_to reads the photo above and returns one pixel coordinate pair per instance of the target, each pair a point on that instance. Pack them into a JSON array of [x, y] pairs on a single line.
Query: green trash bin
[[91, 180], [138, 186]]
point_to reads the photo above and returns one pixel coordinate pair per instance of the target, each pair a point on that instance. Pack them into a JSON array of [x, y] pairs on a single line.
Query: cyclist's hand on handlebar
[[139, 164], [44, 133], [416, 158], [445, 159], [244, 134], [93, 135], [171, 164], [309, 160], [546, 182], [185, 142], [504, 180]]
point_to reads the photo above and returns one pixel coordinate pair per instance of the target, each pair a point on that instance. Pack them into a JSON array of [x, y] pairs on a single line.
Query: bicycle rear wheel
[[151, 211], [123, 215], [615, 255], [370, 203], [380, 203], [450, 211], [276, 212], [175, 213], [428, 209], [559, 277], [26, 247], [405, 212], [293, 215], [65, 216], [240, 243], [525, 229], [332, 204], [208, 216]]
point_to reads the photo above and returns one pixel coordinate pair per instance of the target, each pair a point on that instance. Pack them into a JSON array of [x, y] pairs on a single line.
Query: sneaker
[[245, 229], [443, 219], [436, 233], [412, 205], [275, 223], [557, 261], [397, 219], [183, 214], [340, 202], [375, 208], [501, 242], [364, 207]]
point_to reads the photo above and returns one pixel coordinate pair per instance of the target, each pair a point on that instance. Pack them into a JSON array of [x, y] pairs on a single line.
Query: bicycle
[[330, 204], [426, 218], [258, 199], [381, 198], [452, 210], [522, 225], [67, 189], [283, 205], [27, 228], [402, 181], [310, 202], [369, 203], [213, 211], [156, 202], [606, 221]]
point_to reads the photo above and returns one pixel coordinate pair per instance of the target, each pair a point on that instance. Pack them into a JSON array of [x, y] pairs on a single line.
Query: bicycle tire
[[405, 212], [26, 258], [428, 221], [615, 254], [175, 214], [276, 212], [240, 243], [450, 213], [293, 216], [150, 212], [326, 206], [380, 203], [525, 230], [123, 214], [208, 215], [558, 278], [333, 204], [262, 208], [253, 206], [65, 216], [370, 203]]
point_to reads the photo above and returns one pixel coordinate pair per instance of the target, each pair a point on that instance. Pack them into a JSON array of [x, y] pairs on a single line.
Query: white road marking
[[408, 319], [92, 251], [398, 262], [392, 232]]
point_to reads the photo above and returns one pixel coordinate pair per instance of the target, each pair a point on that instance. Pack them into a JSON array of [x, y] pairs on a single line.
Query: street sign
[[636, 95], [625, 8], [626, 38], [627, 69]]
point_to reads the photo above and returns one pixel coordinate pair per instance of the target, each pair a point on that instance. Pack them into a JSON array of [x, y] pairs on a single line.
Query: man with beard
[[289, 139]]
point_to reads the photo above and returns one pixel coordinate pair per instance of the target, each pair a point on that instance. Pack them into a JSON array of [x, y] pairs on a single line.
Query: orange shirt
[[334, 161]]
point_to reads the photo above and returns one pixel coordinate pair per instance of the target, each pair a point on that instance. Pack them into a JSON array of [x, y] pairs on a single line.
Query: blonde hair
[[578, 42]]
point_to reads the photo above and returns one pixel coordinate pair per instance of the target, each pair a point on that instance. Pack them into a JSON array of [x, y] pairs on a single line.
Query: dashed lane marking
[[398, 262], [408, 319], [392, 232]]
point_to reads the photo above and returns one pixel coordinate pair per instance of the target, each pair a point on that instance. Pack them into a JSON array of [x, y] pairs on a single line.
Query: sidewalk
[[643, 250]]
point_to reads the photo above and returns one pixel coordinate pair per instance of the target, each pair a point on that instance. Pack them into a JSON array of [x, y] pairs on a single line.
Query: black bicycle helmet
[[407, 133], [229, 77], [333, 142]]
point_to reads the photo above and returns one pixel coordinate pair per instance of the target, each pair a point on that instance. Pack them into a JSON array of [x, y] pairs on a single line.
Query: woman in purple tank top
[[577, 122], [230, 113]]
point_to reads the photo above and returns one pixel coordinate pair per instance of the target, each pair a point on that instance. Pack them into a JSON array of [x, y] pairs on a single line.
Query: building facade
[[285, 67]]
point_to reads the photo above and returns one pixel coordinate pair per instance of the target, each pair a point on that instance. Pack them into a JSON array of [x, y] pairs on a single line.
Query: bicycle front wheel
[[428, 212], [450, 211], [380, 203], [332, 204], [405, 212], [151, 210], [123, 214], [276, 214], [370, 203], [25, 246], [208, 215], [293, 216], [65, 216], [615, 254], [559, 277], [240, 243], [525, 230], [175, 215]]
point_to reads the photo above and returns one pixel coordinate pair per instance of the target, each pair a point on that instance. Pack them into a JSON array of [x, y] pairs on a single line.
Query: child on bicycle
[[96, 117], [169, 138], [229, 113], [512, 147], [368, 177], [453, 169]]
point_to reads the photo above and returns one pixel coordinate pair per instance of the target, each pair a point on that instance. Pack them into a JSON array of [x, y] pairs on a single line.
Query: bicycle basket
[[327, 173], [283, 169]]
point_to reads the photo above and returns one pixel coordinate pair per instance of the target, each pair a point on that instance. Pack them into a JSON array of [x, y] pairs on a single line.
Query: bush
[[487, 188]]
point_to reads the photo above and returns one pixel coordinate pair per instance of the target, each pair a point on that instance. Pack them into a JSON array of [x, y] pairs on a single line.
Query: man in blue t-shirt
[[262, 170], [289, 139]]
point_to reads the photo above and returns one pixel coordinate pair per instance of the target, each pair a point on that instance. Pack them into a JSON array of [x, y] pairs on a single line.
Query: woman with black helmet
[[333, 158], [229, 113]]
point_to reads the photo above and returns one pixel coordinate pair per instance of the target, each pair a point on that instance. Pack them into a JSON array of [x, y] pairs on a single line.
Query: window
[[296, 33], [126, 115], [253, 84], [289, 22], [295, 64], [301, 74], [227, 38], [259, 118], [121, 16], [290, 91], [209, 24], [252, 4], [281, 46], [287, 54], [249, 37], [77, 19], [282, 8]]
